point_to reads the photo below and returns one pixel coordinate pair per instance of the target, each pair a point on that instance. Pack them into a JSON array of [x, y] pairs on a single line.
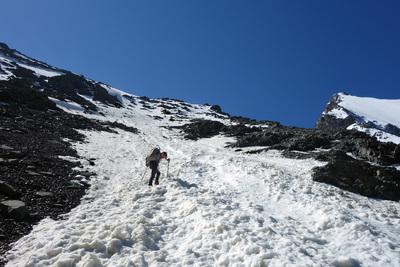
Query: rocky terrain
[[36, 179]]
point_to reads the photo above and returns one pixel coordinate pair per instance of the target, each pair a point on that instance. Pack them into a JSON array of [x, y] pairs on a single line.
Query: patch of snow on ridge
[[338, 113], [8, 64], [68, 106], [378, 134], [41, 71], [114, 92], [5, 63]]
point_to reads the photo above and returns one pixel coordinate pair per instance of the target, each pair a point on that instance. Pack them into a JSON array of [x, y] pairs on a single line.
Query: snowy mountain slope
[[18, 70], [12, 60], [217, 207], [377, 117]]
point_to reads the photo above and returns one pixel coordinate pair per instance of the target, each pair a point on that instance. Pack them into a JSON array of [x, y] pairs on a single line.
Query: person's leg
[[154, 170], [157, 177]]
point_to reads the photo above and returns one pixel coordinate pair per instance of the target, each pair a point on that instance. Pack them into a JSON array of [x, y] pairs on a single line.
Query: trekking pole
[[167, 169], [145, 170]]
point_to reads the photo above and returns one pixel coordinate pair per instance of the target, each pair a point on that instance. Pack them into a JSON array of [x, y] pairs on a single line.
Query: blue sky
[[266, 60]]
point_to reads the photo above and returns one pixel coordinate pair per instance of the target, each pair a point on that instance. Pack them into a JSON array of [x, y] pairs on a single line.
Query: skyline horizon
[[278, 61]]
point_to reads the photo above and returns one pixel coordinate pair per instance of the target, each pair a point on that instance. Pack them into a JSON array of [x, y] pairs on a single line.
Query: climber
[[152, 161]]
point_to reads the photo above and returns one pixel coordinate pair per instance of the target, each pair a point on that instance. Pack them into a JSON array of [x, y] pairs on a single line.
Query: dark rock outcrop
[[359, 177], [7, 189], [327, 121], [207, 128], [202, 129]]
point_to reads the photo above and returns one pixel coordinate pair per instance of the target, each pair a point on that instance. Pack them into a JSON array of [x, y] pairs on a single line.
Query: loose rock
[[14, 209], [7, 189]]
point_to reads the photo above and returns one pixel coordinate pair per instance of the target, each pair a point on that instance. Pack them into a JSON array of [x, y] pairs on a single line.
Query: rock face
[[327, 121], [7, 189], [359, 177], [205, 129]]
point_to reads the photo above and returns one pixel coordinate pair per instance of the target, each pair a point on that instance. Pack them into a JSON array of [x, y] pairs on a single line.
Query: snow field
[[217, 207]]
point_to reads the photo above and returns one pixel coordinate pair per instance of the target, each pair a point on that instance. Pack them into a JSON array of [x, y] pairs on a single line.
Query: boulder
[[7, 189], [44, 194], [8, 162], [15, 209], [202, 129]]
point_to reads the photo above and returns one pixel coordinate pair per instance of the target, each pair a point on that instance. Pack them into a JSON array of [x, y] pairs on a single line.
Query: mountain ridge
[[367, 167]]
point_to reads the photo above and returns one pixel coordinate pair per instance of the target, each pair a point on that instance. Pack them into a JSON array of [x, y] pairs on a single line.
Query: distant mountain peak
[[376, 117]]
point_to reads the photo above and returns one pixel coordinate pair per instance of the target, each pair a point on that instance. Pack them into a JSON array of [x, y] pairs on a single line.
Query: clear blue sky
[[277, 60]]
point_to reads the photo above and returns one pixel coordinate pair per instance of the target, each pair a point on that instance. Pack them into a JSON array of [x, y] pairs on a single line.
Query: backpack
[[154, 155]]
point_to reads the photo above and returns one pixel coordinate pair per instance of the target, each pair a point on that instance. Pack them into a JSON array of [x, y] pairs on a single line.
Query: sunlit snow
[[41, 71], [68, 106], [381, 112]]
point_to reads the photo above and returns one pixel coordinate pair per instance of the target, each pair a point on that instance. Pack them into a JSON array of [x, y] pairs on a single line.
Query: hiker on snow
[[152, 161]]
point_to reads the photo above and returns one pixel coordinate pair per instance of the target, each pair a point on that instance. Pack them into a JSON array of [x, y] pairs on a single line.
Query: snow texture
[[216, 207]]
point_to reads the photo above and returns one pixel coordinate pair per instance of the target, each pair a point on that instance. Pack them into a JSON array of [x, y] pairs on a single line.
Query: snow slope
[[217, 207], [370, 111]]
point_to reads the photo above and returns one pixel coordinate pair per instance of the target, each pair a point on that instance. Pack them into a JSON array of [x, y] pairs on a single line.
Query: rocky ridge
[[22, 71]]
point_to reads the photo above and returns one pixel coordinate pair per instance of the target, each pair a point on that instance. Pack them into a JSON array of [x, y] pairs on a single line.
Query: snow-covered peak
[[377, 117]]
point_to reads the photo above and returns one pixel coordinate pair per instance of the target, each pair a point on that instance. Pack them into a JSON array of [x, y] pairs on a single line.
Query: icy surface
[[216, 207]]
